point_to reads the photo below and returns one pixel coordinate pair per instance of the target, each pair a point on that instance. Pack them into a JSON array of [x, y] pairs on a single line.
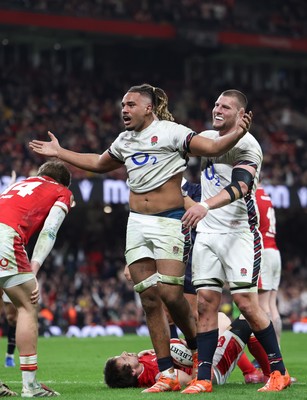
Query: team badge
[[243, 271], [4, 264], [175, 250], [154, 140]]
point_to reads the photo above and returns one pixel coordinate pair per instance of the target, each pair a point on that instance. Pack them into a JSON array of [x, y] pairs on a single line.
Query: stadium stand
[[73, 85]]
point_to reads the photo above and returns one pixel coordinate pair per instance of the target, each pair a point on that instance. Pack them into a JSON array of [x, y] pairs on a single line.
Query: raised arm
[[202, 146], [88, 161]]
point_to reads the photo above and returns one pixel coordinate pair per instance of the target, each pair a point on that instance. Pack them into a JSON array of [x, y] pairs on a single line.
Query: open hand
[[245, 122], [49, 149], [35, 294]]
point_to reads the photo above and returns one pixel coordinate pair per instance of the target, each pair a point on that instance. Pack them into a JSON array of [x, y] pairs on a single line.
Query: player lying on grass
[[141, 370]]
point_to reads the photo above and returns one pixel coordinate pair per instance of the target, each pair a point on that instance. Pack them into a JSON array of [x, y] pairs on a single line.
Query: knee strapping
[[155, 278], [171, 280], [152, 280]]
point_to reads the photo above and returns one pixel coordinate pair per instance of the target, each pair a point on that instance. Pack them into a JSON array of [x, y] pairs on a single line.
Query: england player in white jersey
[[154, 150], [228, 244]]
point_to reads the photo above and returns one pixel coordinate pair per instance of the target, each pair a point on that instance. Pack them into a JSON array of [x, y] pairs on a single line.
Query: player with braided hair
[[154, 150], [159, 100]]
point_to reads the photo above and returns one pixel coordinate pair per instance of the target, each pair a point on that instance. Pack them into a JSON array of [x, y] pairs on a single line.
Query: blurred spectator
[[82, 281]]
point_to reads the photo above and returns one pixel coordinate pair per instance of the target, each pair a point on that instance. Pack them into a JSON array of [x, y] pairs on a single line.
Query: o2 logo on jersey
[[143, 158], [210, 175]]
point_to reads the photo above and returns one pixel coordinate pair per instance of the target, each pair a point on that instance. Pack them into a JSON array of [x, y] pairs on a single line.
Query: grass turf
[[74, 368]]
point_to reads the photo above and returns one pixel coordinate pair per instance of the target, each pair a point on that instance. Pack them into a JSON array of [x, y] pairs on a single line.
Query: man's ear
[[241, 112], [133, 371], [149, 109]]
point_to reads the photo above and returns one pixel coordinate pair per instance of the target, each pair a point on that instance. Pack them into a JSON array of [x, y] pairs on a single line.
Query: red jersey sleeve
[[267, 224]]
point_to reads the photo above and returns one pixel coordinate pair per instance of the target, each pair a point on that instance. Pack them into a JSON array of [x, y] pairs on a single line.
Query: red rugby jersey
[[25, 205], [267, 225]]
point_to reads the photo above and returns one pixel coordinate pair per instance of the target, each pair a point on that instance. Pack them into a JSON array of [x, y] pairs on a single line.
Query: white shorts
[[270, 270], [231, 257], [15, 280], [157, 237], [228, 351], [6, 298], [13, 256]]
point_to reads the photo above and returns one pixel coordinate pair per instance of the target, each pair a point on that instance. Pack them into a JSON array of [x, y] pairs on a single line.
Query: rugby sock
[[259, 354], [173, 331], [206, 344], [28, 362], [192, 343], [241, 328], [165, 364], [11, 340], [28, 366], [267, 338], [245, 365]]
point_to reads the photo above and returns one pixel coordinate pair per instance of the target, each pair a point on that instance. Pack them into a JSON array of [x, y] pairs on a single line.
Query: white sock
[[29, 379]]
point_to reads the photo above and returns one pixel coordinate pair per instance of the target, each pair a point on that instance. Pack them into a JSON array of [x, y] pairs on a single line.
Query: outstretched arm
[[90, 162], [202, 146]]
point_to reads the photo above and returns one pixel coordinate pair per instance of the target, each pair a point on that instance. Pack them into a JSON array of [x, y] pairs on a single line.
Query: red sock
[[260, 355], [245, 365]]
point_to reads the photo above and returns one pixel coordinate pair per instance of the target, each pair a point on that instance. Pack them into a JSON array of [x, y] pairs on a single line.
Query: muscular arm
[[100, 163], [202, 146]]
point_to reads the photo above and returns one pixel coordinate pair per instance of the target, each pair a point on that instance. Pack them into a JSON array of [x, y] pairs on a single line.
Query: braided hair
[[158, 98]]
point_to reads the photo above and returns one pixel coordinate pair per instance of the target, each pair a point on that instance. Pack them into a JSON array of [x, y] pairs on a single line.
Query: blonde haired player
[[154, 150]]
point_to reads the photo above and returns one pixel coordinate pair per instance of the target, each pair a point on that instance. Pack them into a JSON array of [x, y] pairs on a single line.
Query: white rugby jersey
[[153, 155], [216, 174]]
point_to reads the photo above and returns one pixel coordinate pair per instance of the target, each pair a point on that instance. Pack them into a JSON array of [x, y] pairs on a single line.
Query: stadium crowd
[[82, 280], [287, 20], [85, 114]]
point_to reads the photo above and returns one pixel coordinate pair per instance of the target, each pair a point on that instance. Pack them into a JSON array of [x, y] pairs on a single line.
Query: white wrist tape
[[205, 205]]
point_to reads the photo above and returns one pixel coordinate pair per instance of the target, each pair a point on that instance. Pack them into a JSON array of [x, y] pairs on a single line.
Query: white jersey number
[[271, 217], [23, 189]]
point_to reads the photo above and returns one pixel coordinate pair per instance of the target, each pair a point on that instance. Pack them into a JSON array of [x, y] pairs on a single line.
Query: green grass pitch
[[74, 368]]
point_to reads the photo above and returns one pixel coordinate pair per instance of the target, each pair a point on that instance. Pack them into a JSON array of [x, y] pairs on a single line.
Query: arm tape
[[231, 193], [241, 174], [238, 175]]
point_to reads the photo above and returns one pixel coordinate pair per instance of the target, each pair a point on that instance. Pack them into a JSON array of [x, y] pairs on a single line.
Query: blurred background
[[64, 67]]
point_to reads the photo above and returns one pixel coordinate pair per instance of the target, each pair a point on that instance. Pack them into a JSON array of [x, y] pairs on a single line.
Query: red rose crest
[[154, 140]]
